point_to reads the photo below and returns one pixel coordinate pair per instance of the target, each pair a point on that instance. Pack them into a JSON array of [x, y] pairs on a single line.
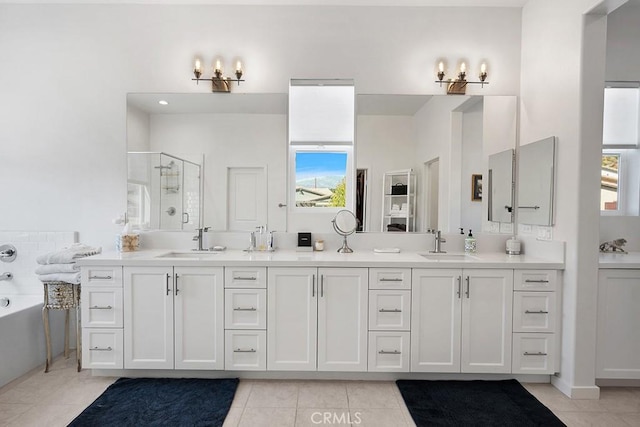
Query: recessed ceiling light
[[163, 102]]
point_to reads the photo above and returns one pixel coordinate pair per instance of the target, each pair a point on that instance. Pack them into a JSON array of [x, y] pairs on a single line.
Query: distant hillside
[[320, 182]]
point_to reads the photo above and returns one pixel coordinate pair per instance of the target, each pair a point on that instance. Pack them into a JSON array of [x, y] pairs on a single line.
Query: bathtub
[[22, 345]]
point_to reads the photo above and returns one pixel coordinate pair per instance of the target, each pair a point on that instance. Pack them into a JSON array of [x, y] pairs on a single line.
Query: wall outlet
[[525, 228], [506, 228], [543, 233]]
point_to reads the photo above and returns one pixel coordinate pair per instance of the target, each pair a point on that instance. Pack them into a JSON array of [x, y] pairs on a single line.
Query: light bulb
[[218, 67], [463, 67], [239, 66], [441, 67], [483, 68], [197, 67]]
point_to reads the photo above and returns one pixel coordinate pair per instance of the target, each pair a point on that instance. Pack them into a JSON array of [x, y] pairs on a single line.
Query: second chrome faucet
[[437, 241]]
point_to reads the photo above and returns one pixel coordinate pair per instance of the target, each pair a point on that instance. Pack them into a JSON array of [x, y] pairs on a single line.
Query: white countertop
[[620, 260], [291, 258]]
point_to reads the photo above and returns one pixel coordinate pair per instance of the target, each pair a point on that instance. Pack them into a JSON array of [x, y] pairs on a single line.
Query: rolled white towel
[[61, 277], [57, 268], [68, 255]]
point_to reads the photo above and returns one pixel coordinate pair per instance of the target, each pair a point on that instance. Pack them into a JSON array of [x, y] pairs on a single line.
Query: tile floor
[[56, 398]]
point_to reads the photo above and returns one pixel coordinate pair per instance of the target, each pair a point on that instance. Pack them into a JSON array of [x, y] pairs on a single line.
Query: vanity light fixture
[[219, 83], [459, 85]]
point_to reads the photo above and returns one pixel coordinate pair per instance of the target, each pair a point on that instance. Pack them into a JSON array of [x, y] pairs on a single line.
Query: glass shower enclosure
[[164, 191]]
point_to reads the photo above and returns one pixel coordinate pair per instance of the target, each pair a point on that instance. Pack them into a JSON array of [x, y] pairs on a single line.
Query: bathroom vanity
[[323, 311], [618, 336]]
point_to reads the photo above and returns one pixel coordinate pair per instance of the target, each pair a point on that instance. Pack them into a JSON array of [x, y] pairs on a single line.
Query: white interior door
[[246, 198]]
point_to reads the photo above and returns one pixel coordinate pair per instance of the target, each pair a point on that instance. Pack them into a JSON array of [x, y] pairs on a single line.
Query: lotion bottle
[[470, 244]]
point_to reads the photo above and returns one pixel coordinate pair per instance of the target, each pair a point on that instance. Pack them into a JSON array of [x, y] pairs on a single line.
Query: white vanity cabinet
[[461, 320], [101, 313], [317, 319], [245, 320], [618, 331], [389, 319], [173, 318], [536, 327]]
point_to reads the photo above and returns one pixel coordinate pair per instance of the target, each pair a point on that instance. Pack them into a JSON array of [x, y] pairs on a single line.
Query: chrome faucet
[[200, 237], [437, 240], [6, 276]]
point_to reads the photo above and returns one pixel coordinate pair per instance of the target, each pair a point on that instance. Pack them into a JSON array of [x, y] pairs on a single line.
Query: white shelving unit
[[399, 201]]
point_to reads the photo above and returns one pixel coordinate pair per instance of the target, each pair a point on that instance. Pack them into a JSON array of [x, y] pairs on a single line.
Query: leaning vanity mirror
[[536, 182], [445, 141]]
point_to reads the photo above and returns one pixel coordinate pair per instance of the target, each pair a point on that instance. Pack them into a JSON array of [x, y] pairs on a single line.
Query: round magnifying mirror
[[345, 223]]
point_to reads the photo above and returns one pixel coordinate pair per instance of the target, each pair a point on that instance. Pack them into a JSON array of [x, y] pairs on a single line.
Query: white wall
[[473, 162], [66, 70], [623, 64], [561, 94]]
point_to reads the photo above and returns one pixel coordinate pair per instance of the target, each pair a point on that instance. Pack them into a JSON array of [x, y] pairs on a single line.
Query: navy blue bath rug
[[474, 403], [161, 402]]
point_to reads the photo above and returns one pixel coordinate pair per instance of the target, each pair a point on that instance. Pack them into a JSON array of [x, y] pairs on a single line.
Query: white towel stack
[[60, 266]]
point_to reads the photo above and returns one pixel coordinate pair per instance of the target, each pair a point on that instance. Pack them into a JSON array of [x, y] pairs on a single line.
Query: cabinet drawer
[[245, 309], [245, 277], [102, 348], [101, 307], [389, 310], [389, 278], [389, 351], [535, 280], [534, 311], [245, 350], [533, 354], [102, 276]]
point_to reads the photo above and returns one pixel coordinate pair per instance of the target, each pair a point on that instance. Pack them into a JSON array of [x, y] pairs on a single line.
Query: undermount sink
[[188, 255], [448, 257]]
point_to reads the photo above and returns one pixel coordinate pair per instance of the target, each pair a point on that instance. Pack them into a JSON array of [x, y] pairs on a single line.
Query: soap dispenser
[[470, 244]]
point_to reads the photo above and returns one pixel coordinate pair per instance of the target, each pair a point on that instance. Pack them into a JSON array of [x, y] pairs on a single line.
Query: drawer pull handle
[[245, 309], [536, 281], [100, 349], [96, 307], [389, 352], [536, 312], [539, 353], [393, 310], [391, 280], [245, 278], [239, 350], [100, 277]]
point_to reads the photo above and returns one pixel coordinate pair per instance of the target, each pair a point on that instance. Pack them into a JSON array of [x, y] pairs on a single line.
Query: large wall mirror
[[446, 141]]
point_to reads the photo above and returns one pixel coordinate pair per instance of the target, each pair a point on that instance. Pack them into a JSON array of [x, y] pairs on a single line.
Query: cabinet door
[[101, 307], [292, 318], [487, 321], [618, 339], [148, 318], [342, 319], [199, 317], [435, 320]]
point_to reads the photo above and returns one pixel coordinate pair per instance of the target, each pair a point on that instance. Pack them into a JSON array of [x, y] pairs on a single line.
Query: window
[[620, 182], [322, 177], [609, 182]]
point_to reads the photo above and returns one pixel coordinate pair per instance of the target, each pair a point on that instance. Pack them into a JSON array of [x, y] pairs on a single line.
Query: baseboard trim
[[574, 392]]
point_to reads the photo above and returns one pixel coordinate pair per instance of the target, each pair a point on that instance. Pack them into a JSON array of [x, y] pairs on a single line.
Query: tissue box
[[127, 242]]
